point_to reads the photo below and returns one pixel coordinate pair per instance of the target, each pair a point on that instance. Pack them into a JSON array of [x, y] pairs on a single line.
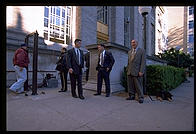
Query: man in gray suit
[[135, 71]]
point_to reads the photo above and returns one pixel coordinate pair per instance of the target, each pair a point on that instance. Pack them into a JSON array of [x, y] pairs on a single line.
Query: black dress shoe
[[107, 95], [141, 101], [62, 90], [81, 97], [75, 96], [97, 94], [131, 98]]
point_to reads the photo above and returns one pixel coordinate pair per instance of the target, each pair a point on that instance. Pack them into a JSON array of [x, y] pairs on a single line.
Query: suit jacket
[[73, 63], [63, 61], [137, 64], [87, 59], [108, 61]]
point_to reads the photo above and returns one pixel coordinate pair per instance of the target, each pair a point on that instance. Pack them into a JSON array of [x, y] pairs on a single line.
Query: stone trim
[[109, 45]]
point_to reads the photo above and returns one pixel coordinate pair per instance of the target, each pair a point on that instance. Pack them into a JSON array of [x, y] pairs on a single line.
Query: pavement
[[54, 111]]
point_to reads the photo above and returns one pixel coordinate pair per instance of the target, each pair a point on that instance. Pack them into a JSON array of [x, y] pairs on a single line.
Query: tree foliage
[[176, 58]]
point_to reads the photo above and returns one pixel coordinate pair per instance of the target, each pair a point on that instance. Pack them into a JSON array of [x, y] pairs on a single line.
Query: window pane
[[63, 23], [46, 36], [53, 20], [45, 22], [46, 10], [67, 39], [191, 10], [66, 30], [53, 10], [58, 21], [58, 11], [63, 13], [191, 24], [191, 39], [68, 11], [68, 20], [50, 19]]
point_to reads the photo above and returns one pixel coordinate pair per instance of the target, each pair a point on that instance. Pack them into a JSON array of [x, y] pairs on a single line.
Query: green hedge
[[159, 78], [163, 78], [124, 79]]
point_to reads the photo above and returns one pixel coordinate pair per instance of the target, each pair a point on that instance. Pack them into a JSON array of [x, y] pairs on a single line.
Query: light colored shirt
[[103, 53], [135, 50]]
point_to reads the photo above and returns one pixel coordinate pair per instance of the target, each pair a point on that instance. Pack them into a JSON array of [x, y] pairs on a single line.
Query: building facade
[[190, 47], [161, 37], [177, 27], [59, 26]]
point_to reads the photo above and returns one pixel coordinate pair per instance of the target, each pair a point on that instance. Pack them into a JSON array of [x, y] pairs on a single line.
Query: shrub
[[159, 78], [124, 79], [163, 78]]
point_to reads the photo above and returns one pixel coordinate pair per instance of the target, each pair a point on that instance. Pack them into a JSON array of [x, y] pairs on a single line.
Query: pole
[[144, 77], [35, 56], [26, 82]]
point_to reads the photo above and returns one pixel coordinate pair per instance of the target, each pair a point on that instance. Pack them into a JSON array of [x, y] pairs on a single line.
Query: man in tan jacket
[[135, 71]]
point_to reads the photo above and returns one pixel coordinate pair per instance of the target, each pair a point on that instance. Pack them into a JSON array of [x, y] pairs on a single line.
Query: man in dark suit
[[75, 65], [104, 67], [135, 71]]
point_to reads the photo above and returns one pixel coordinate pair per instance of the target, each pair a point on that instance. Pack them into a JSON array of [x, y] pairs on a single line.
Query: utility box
[[52, 83]]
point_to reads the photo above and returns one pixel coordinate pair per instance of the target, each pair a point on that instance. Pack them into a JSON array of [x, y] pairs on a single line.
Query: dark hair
[[77, 40], [63, 48], [24, 44], [101, 45]]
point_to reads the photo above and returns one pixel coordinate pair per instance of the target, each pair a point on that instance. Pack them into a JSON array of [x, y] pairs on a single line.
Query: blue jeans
[[21, 77]]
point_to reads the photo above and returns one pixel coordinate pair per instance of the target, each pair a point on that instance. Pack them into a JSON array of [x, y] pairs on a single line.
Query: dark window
[[46, 36], [46, 10], [45, 22], [102, 14], [191, 38], [63, 13], [191, 10], [67, 39], [191, 24]]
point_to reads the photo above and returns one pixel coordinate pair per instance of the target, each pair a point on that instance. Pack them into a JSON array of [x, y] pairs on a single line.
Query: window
[[46, 12], [57, 24], [63, 13], [102, 14], [191, 24], [63, 23], [191, 10], [58, 21], [191, 38], [58, 11], [153, 38], [45, 22]]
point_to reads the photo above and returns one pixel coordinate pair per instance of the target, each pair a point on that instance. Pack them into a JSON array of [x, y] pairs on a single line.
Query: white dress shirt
[[103, 53]]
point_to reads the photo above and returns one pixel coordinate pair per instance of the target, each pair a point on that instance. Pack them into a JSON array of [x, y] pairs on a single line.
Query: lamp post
[[144, 11], [178, 49]]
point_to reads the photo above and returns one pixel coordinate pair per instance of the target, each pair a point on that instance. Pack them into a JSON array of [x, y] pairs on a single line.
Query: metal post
[[26, 82], [144, 77], [35, 56]]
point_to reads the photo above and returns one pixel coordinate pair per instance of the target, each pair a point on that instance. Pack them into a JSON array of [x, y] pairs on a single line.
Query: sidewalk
[[54, 111]]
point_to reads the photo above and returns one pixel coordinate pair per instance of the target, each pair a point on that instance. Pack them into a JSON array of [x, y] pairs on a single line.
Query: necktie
[[102, 59], [78, 56], [133, 55]]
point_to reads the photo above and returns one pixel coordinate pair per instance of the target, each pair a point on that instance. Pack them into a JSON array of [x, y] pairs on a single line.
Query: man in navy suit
[[104, 67], [75, 65]]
